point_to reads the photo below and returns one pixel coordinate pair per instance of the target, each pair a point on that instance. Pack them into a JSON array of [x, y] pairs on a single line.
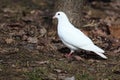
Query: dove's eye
[[58, 13]]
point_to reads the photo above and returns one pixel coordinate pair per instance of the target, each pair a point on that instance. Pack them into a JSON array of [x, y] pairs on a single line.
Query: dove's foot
[[68, 55]]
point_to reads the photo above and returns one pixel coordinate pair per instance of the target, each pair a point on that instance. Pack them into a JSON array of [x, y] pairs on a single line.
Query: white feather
[[73, 38]]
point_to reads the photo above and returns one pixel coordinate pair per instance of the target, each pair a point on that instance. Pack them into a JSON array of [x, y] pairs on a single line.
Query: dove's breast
[[69, 45], [64, 35]]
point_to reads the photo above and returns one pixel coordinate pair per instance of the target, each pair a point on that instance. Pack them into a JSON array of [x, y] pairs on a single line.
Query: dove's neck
[[63, 20]]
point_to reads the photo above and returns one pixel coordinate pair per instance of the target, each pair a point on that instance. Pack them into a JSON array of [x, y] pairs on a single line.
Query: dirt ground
[[31, 50]]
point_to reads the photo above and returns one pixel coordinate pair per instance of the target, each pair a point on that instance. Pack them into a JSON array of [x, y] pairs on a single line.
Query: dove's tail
[[101, 54], [95, 49], [99, 51]]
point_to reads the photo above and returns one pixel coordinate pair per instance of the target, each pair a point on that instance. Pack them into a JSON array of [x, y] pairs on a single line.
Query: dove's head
[[60, 16]]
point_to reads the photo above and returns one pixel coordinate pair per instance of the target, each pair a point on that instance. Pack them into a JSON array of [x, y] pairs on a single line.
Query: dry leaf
[[42, 62], [78, 58], [32, 40], [115, 31], [43, 31], [58, 70], [70, 78], [9, 40]]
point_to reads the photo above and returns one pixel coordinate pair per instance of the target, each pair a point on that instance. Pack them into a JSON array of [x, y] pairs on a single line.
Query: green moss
[[84, 77], [38, 74]]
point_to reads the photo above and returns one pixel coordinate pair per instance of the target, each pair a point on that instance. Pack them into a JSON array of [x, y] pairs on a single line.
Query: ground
[[31, 50]]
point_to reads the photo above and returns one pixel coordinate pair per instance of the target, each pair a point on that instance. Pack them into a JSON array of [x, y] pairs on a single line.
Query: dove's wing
[[93, 48], [74, 36]]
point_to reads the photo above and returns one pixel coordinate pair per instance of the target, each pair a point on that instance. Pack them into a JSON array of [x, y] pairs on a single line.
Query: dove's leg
[[69, 55]]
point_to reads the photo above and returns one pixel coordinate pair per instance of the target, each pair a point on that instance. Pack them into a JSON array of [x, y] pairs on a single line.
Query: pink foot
[[68, 55]]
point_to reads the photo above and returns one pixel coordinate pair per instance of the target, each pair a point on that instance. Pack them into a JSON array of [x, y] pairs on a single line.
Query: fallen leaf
[[115, 31], [32, 40], [52, 76], [43, 31], [42, 62], [70, 78], [9, 40], [8, 10], [58, 70], [78, 58]]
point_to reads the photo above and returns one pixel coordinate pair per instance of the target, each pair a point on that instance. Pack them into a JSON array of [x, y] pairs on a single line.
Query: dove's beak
[[54, 17]]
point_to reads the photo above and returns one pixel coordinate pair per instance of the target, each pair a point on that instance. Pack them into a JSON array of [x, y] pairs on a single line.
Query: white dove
[[73, 38]]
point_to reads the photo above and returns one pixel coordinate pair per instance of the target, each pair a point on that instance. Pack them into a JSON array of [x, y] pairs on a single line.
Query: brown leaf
[[32, 40], [78, 58], [43, 31], [115, 31], [100, 32], [21, 32], [9, 40]]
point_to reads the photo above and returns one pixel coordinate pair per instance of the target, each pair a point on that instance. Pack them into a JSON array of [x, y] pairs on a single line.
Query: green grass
[[84, 77], [37, 74]]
